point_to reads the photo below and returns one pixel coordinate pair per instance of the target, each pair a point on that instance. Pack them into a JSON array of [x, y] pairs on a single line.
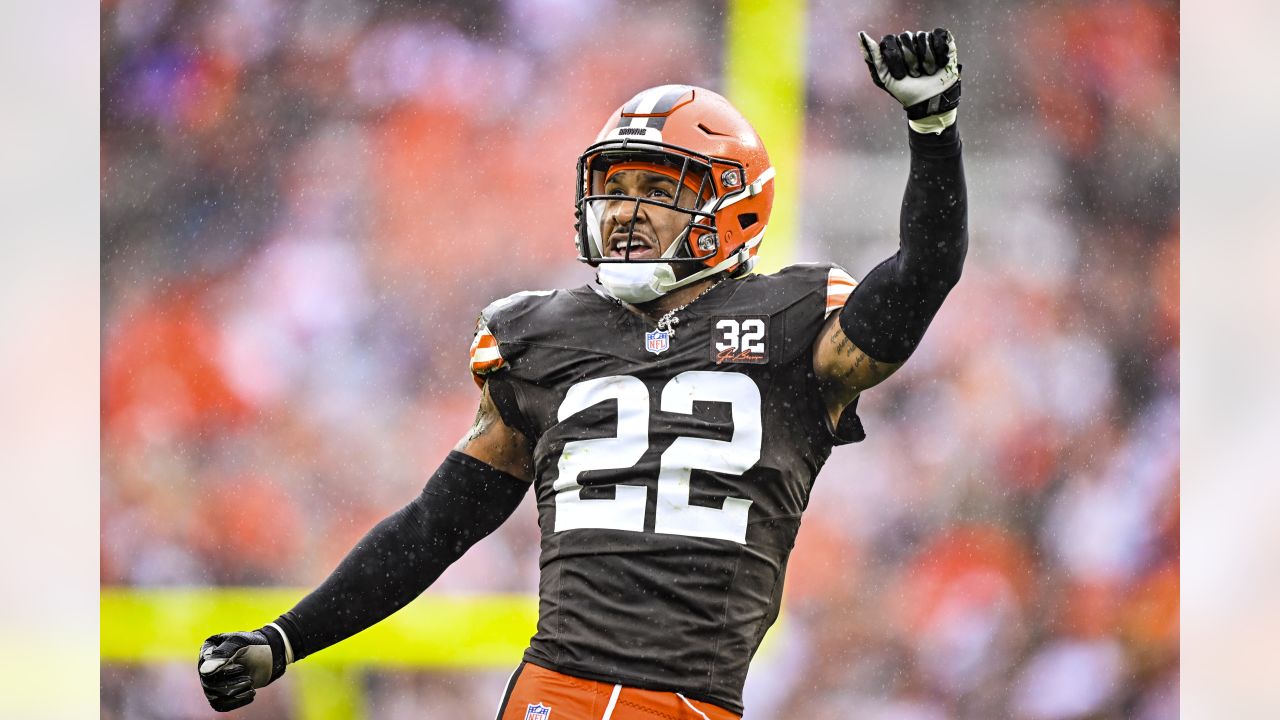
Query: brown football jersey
[[671, 469]]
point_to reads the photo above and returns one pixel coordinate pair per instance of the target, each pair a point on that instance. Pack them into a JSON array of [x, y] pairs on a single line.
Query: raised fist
[[920, 70]]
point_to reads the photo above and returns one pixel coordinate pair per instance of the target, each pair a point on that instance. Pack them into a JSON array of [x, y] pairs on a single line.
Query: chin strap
[[636, 283]]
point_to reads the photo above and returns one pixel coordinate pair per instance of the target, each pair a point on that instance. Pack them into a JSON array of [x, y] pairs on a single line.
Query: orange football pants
[[536, 693]]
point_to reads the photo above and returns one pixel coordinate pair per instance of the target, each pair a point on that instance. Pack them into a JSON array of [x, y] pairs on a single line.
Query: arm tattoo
[[484, 422], [859, 370]]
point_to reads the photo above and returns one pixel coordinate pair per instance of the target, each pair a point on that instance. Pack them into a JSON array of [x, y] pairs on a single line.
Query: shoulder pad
[[486, 355], [803, 296], [833, 281], [494, 307]]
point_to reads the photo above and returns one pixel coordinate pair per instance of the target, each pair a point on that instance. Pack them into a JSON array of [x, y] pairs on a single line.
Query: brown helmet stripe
[[639, 113]]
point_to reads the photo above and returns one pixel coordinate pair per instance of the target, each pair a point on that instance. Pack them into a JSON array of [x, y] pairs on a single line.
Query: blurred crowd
[[306, 204]]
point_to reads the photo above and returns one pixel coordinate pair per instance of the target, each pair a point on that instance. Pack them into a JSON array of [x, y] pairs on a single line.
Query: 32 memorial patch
[[740, 339]]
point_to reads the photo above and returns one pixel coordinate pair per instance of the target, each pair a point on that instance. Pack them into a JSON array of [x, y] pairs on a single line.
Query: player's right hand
[[233, 666]]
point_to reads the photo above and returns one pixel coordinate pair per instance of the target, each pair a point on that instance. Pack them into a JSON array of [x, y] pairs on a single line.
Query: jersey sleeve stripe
[[839, 285], [485, 355]]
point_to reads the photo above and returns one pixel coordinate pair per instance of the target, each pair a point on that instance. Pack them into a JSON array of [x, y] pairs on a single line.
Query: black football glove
[[233, 666], [920, 70]]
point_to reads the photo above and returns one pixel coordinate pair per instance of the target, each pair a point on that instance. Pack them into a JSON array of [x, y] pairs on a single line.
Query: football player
[[670, 417]]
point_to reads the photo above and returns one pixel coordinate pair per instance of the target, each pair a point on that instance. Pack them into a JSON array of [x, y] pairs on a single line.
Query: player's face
[[655, 228]]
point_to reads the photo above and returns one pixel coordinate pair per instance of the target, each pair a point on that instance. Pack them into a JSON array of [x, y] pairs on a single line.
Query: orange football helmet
[[698, 138]]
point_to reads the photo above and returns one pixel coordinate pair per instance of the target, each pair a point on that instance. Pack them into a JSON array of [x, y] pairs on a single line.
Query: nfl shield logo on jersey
[[538, 712], [657, 341]]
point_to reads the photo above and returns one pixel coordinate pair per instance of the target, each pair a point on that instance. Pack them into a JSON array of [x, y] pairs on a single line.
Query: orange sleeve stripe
[[482, 368], [485, 355], [839, 285]]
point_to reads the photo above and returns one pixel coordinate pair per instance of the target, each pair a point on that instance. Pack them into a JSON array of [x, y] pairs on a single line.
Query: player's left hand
[[921, 70], [233, 666]]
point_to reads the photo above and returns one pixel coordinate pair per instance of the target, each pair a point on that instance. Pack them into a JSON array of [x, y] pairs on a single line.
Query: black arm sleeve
[[888, 311], [463, 502]]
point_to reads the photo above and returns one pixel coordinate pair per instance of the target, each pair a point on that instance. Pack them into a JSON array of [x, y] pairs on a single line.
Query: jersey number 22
[[674, 514]]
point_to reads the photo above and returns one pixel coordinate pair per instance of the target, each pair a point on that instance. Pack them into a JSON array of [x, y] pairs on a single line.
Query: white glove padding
[[920, 70]]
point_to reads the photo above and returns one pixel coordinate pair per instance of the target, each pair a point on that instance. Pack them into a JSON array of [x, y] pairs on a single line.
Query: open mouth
[[633, 247]]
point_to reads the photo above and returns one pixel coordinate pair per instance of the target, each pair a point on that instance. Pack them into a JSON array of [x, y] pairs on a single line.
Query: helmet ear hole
[[746, 220]]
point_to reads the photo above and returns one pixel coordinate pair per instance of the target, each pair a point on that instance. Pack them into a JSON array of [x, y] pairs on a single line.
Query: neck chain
[[669, 320]]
